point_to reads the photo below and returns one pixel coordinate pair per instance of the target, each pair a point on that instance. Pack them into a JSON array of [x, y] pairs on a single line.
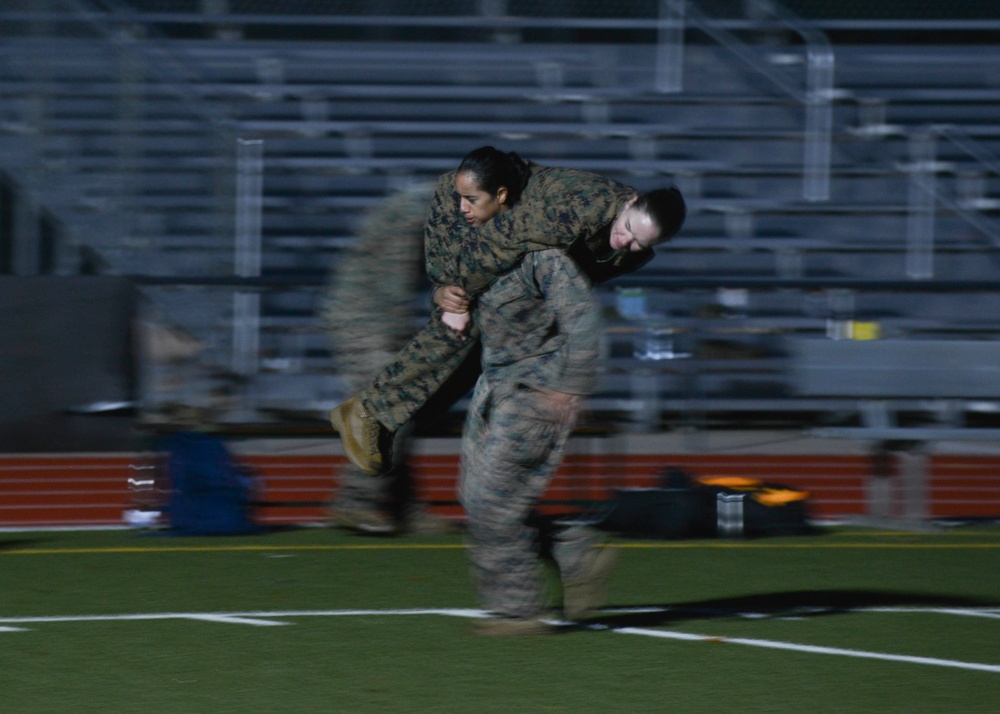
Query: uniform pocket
[[507, 289]]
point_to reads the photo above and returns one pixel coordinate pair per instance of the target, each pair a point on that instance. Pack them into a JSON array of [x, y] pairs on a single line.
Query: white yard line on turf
[[812, 649], [262, 618], [236, 620], [966, 612]]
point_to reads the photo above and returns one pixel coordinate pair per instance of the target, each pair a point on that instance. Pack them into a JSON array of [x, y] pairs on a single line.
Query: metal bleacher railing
[[969, 200], [223, 167]]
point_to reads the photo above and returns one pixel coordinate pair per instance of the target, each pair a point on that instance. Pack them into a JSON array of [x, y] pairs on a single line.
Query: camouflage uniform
[[540, 331], [367, 311], [564, 208]]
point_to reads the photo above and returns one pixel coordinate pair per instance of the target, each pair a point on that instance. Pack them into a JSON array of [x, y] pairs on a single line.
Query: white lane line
[[812, 649], [231, 620], [92, 618], [801, 613], [255, 616], [965, 611], [447, 611], [233, 616], [262, 618]]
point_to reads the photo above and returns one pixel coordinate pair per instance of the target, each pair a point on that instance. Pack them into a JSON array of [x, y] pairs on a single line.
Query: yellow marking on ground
[[653, 545], [809, 545]]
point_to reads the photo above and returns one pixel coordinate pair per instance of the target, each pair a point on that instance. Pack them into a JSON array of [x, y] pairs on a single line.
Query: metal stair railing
[[816, 97], [139, 61], [925, 193]]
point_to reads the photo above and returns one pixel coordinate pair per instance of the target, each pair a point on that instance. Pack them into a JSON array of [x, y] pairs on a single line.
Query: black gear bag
[[684, 506]]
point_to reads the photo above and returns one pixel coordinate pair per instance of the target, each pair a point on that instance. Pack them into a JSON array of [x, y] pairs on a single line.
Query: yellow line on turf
[[897, 534], [661, 545], [806, 546]]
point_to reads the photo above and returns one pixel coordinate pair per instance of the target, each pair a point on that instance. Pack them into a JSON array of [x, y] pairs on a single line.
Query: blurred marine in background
[[367, 310]]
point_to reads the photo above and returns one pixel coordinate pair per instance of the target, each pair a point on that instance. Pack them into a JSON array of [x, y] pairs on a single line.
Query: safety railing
[[51, 35], [968, 200], [146, 60], [816, 95]]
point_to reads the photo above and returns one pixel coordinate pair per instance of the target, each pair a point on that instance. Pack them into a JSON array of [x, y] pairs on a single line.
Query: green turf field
[[314, 620]]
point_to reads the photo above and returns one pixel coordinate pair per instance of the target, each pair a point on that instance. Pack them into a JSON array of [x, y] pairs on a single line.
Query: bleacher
[[127, 131]]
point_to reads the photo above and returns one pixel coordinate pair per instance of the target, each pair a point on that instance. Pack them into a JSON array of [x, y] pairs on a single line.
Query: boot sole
[[496, 627]]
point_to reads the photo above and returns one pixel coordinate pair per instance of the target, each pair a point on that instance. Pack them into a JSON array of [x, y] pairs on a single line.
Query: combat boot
[[512, 627], [420, 521], [362, 520], [587, 589], [366, 442]]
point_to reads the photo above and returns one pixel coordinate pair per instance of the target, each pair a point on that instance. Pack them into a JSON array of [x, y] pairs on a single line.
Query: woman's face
[[633, 230], [475, 204]]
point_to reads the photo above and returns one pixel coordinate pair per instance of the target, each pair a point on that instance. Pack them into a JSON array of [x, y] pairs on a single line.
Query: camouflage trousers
[[418, 371], [392, 491], [512, 444]]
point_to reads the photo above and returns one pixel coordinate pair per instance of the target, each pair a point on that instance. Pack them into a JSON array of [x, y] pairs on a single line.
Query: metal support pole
[[914, 471], [920, 219], [247, 259], [819, 123], [27, 235], [670, 46], [33, 114], [129, 173], [497, 10]]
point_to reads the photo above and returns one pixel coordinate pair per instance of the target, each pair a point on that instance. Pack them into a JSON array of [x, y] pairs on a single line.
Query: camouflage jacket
[[540, 326], [368, 302], [563, 208]]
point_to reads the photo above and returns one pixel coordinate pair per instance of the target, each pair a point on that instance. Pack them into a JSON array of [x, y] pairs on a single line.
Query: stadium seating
[[130, 139]]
